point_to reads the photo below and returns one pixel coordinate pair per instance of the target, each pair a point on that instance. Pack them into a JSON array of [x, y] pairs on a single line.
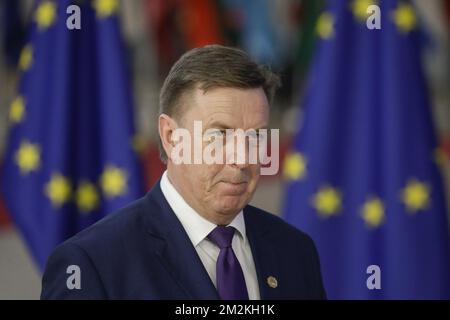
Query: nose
[[237, 152], [240, 166], [236, 161]]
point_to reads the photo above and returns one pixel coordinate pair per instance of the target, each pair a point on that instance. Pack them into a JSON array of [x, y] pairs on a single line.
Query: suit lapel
[[177, 253], [180, 259], [264, 256]]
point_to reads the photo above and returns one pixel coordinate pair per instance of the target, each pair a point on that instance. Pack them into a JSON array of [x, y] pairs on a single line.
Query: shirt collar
[[239, 224], [197, 227]]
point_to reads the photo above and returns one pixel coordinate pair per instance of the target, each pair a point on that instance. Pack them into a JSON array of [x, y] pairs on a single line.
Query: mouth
[[234, 188], [235, 181]]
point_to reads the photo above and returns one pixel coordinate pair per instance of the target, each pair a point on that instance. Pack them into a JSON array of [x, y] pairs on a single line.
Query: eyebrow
[[220, 125]]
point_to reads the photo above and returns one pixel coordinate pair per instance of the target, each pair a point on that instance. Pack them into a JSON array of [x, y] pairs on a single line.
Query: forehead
[[230, 108]]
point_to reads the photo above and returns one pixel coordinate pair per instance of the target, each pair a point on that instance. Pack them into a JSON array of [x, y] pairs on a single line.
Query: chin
[[231, 204]]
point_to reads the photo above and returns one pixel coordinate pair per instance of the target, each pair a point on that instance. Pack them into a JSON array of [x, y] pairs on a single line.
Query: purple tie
[[230, 278]]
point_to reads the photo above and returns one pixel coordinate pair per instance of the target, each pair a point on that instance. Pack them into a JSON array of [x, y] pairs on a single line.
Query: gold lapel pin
[[272, 282]]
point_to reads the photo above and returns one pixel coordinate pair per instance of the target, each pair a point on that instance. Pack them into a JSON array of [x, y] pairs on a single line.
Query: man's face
[[220, 191]]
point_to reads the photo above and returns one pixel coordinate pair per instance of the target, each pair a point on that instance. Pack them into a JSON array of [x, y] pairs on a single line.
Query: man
[[194, 236]]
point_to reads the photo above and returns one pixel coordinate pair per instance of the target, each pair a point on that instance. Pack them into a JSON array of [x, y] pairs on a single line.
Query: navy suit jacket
[[143, 252]]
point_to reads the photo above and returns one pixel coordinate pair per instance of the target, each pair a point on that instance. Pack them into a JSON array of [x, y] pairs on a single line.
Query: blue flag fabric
[[258, 36], [70, 158], [364, 175]]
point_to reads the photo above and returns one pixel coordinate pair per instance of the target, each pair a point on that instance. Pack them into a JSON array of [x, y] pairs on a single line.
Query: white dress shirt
[[198, 228]]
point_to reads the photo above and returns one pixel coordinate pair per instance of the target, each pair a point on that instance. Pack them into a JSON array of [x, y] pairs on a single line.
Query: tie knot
[[222, 236]]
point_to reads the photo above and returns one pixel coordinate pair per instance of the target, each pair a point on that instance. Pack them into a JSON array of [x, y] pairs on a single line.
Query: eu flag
[[70, 159], [365, 182]]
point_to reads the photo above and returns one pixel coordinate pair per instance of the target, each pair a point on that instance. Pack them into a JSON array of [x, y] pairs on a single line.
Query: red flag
[[200, 23]]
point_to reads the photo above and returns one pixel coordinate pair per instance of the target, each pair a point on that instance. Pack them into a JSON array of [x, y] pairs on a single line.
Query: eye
[[253, 138], [210, 135], [253, 135], [218, 133], [262, 134]]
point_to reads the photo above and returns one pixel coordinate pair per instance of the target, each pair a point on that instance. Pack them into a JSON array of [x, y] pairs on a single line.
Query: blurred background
[[147, 37]]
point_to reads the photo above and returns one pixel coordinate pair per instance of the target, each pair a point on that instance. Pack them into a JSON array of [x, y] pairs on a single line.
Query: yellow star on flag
[[17, 110], [294, 167], [359, 8], [327, 201], [105, 8], [404, 17], [28, 157], [86, 197], [325, 25], [26, 57], [113, 181], [58, 190], [373, 212], [416, 196], [45, 14]]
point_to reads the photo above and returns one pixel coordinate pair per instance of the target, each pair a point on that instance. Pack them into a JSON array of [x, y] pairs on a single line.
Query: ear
[[166, 125]]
